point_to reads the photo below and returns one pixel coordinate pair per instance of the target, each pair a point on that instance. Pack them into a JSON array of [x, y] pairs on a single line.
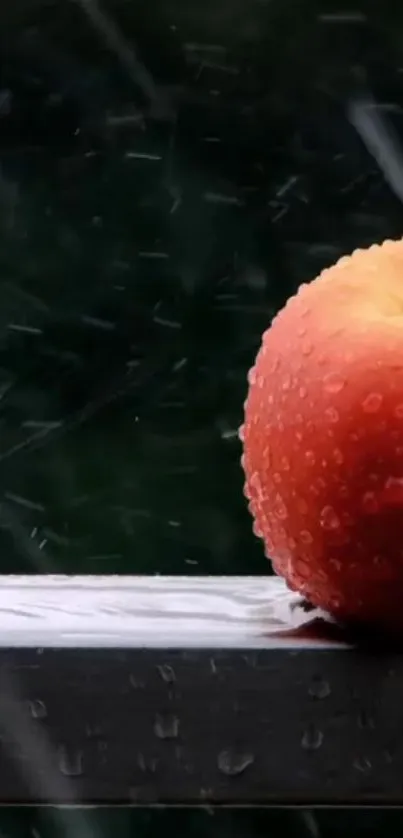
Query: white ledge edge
[[151, 612]]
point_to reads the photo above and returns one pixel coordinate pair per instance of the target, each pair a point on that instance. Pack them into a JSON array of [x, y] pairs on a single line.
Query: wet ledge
[[189, 691]]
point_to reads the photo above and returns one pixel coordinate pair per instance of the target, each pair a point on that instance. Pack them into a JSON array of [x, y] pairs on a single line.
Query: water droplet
[[335, 564], [166, 726], [136, 682], [370, 503], [319, 688], [277, 478], [334, 603], [285, 463], [332, 415], [301, 331], [254, 480], [280, 509], [302, 506], [257, 530], [147, 763], [306, 537], [306, 347], [303, 569], [338, 456], [372, 403], [37, 709], [241, 433], [70, 761], [286, 383], [167, 673], [302, 392], [398, 411], [312, 738], [232, 763], [333, 382], [251, 376], [328, 519], [363, 764], [366, 720], [310, 458]]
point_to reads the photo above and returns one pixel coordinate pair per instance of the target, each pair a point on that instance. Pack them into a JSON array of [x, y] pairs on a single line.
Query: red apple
[[323, 439]]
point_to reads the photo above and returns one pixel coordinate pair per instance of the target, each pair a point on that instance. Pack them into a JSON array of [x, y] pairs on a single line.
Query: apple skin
[[323, 439]]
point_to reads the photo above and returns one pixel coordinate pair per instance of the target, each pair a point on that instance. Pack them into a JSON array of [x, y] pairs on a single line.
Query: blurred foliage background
[[170, 172]]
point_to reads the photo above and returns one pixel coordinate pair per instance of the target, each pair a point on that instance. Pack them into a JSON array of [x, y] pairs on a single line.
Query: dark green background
[[169, 175]]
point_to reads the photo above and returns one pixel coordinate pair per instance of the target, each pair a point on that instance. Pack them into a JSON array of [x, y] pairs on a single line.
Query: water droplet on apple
[[333, 382], [335, 564], [285, 463], [302, 506], [310, 457], [328, 519], [398, 411], [302, 569], [306, 537], [241, 433], [257, 530], [370, 503], [372, 403], [338, 456], [251, 376], [306, 347], [332, 414], [334, 603], [286, 383], [277, 478], [302, 392], [280, 509]]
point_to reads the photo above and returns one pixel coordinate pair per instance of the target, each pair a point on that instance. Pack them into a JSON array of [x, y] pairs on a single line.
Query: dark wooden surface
[[198, 691], [208, 726]]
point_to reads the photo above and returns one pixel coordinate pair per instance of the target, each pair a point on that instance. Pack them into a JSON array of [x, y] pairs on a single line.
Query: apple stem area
[[200, 691]]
